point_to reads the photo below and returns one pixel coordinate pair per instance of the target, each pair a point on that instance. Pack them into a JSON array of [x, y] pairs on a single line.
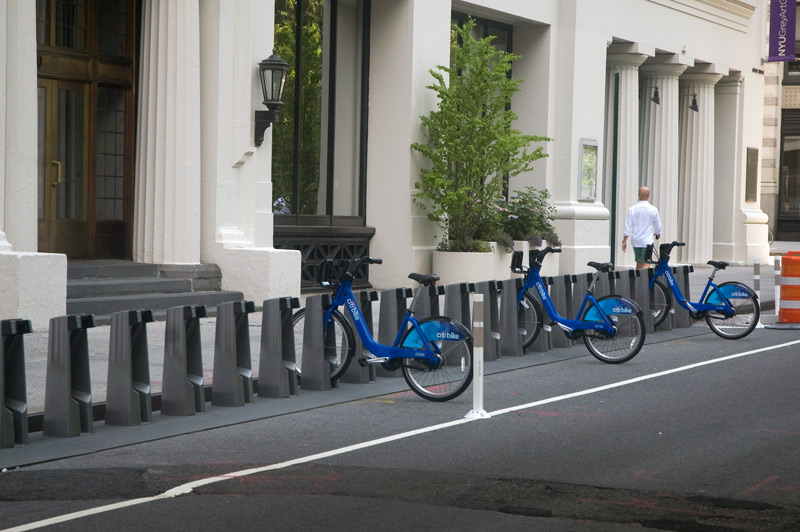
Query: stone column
[[740, 226], [34, 285], [627, 66], [167, 202], [696, 164], [658, 138]]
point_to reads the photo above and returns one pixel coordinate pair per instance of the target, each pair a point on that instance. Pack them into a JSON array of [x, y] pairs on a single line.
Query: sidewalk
[[36, 350]]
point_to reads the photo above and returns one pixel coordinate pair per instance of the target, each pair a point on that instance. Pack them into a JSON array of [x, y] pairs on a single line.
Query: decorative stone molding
[[734, 14]]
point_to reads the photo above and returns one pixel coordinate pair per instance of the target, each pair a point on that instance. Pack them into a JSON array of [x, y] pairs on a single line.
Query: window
[[62, 23], [788, 226], [319, 145], [110, 153], [587, 182]]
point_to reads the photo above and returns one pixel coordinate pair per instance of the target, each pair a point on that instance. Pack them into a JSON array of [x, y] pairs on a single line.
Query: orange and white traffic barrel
[[790, 288]]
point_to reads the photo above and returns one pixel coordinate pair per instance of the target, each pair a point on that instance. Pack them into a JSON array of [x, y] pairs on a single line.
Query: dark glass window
[[318, 147], [112, 35]]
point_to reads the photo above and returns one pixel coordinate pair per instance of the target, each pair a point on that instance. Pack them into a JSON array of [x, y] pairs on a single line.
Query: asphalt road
[[695, 433]]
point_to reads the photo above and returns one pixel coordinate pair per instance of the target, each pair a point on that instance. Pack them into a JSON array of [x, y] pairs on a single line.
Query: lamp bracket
[[263, 120]]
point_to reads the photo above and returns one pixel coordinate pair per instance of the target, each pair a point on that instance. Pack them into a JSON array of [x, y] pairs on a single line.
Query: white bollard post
[[757, 277], [757, 284], [477, 411]]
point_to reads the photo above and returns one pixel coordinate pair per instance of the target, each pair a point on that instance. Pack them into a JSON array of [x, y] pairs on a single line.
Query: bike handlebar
[[537, 255], [664, 249], [351, 268]]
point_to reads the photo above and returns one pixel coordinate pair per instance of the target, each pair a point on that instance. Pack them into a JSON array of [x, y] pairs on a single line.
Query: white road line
[[189, 487]]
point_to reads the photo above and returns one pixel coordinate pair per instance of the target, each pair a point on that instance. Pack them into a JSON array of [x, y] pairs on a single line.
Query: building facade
[[138, 142], [781, 162]]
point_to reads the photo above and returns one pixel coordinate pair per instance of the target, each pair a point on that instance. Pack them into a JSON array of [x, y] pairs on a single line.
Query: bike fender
[[612, 305], [730, 290], [446, 331]]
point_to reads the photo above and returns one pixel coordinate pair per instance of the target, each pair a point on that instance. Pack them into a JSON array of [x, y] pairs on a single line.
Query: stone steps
[[106, 286]]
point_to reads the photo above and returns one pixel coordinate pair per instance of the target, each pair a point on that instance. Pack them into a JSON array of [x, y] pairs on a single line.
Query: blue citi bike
[[612, 327], [434, 353], [730, 309]]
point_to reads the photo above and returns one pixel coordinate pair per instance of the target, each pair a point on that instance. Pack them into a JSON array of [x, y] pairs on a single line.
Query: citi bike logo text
[[621, 310], [739, 293], [353, 309], [540, 288], [447, 335]]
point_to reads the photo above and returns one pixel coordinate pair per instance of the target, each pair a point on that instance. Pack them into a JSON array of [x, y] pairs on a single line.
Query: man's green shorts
[[639, 255]]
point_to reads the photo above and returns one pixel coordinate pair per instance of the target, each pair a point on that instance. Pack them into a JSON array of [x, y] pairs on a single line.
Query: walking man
[[642, 223]]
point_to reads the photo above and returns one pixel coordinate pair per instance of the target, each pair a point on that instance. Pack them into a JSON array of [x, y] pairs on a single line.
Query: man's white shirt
[[642, 223]]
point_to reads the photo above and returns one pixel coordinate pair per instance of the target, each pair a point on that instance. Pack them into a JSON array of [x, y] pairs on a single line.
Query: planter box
[[463, 267]]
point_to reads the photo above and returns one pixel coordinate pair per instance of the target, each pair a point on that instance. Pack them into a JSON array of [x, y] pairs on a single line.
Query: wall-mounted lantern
[[272, 73]]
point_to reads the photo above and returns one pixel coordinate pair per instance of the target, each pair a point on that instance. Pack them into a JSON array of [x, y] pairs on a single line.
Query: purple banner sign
[[782, 15]]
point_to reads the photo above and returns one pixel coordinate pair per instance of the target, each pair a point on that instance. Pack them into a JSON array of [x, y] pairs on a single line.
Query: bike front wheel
[[530, 320], [339, 343], [628, 338], [452, 376], [660, 302], [747, 311]]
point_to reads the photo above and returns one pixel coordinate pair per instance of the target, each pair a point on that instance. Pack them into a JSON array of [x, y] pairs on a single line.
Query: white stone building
[[137, 116]]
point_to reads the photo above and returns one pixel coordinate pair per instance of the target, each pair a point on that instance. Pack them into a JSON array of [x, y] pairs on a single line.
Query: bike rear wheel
[[451, 377], [339, 344], [660, 302], [628, 339], [745, 318]]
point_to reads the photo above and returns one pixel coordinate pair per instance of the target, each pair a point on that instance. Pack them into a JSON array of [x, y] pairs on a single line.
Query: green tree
[[471, 144]]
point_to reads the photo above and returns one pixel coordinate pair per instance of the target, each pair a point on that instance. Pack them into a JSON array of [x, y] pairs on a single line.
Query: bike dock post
[[68, 388], [574, 298], [355, 374], [543, 342], [277, 375], [490, 319], [316, 370], [681, 273], [13, 391], [392, 311], [602, 287], [560, 293], [428, 304], [624, 282], [510, 340], [233, 367], [128, 390], [640, 293], [183, 391], [456, 302]]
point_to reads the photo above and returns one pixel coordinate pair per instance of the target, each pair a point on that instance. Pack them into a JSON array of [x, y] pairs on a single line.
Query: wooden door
[[63, 159]]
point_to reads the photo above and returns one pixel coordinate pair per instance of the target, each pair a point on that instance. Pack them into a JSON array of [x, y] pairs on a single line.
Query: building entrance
[[86, 121]]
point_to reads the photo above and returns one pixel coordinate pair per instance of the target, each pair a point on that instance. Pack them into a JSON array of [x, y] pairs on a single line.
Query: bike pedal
[[547, 327]]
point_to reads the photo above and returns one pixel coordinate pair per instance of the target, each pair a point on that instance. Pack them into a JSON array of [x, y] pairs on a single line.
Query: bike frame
[[534, 280], [662, 268], [345, 296]]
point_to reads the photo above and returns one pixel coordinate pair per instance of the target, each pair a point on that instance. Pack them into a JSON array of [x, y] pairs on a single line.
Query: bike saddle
[[603, 267], [719, 264], [425, 280]]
